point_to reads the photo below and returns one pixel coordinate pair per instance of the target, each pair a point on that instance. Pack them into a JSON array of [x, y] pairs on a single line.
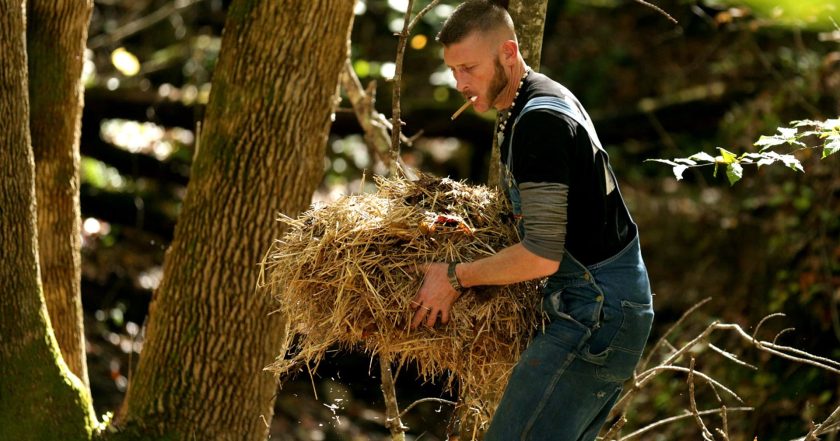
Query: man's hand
[[435, 297]]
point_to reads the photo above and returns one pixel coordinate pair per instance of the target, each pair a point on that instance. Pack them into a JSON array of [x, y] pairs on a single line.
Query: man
[[575, 229]]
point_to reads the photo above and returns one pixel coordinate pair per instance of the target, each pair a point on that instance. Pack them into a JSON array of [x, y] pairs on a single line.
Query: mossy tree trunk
[[261, 150], [39, 397], [56, 32], [529, 20]]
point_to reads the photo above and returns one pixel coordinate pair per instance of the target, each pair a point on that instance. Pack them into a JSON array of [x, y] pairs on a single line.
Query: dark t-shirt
[[550, 147]]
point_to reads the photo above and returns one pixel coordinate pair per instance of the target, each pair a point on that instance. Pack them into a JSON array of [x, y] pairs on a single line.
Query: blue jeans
[[570, 376]]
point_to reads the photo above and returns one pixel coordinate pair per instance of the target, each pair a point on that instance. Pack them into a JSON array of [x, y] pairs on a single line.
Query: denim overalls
[[569, 377]]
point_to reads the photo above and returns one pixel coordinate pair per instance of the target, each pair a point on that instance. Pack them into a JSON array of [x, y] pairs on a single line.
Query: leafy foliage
[[827, 132]]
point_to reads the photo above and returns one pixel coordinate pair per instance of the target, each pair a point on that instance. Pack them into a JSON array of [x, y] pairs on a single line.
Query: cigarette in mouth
[[464, 107]]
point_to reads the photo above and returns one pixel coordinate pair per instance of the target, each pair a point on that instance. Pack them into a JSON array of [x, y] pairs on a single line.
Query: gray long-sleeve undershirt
[[544, 210]]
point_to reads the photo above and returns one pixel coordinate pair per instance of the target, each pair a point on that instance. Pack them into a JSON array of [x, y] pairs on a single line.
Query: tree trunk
[[210, 335], [55, 43], [39, 397], [529, 20]]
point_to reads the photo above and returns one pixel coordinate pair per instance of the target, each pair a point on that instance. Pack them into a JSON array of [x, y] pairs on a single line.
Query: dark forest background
[[727, 74]]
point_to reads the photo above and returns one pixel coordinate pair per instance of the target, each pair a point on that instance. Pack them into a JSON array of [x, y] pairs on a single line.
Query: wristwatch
[[453, 277]]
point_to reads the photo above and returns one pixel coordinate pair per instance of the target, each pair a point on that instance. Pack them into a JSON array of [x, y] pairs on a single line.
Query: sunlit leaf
[[734, 171], [766, 142], [678, 171], [702, 156], [832, 145], [727, 157], [686, 161], [791, 162]]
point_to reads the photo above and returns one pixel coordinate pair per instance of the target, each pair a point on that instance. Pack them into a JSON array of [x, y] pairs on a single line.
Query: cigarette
[[464, 107]]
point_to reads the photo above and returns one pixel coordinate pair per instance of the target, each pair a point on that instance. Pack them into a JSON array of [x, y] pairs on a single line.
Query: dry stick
[[615, 430], [408, 25], [675, 418], [662, 340], [392, 410], [657, 9], [706, 434], [829, 425], [426, 400], [395, 101], [725, 431]]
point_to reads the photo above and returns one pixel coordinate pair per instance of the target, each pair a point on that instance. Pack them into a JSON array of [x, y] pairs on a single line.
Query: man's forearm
[[511, 265]]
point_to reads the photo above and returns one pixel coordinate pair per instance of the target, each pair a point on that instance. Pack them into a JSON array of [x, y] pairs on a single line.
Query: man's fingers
[[444, 316], [418, 317], [432, 318]]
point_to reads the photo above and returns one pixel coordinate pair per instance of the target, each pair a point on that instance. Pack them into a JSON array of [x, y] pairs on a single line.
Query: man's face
[[474, 62]]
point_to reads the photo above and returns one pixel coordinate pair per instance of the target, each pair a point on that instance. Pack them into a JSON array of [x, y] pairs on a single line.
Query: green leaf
[[686, 161], [728, 157], [791, 162], [702, 156], [664, 161], [734, 171], [678, 171], [765, 142], [788, 133], [831, 146]]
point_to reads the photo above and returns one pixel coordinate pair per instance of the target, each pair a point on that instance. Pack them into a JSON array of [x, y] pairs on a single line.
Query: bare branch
[[662, 340], [426, 400], [392, 410], [831, 424], [650, 373], [657, 9], [758, 326], [782, 332], [140, 24], [672, 419], [707, 436], [395, 101], [731, 357], [420, 14], [615, 430]]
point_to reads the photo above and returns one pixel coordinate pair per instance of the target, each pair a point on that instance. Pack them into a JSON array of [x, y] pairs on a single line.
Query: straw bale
[[344, 274]]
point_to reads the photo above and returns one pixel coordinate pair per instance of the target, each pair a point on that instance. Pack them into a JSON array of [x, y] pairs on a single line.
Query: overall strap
[[567, 105]]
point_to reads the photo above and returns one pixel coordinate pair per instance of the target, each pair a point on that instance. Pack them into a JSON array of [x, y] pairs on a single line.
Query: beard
[[497, 84]]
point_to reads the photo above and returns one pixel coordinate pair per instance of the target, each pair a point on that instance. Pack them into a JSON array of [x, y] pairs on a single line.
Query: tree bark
[[55, 43], [261, 151], [529, 21], [39, 397]]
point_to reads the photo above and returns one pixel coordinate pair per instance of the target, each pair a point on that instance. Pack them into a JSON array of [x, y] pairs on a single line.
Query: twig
[[758, 326], [782, 332], [672, 419], [725, 431], [420, 14], [662, 340], [395, 101], [140, 24], [615, 429], [731, 357], [392, 410], [706, 434], [426, 400], [829, 425], [657, 9]]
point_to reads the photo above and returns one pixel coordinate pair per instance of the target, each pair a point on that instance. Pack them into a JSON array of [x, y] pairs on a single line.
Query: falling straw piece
[[464, 107]]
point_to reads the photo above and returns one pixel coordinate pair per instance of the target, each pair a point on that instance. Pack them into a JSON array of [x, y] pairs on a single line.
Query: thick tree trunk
[[55, 43], [529, 20], [261, 151], [39, 397]]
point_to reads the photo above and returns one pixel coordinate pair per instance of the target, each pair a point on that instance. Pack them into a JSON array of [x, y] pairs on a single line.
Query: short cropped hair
[[474, 15]]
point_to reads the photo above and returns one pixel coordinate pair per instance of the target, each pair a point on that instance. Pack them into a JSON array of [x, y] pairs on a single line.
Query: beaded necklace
[[504, 116]]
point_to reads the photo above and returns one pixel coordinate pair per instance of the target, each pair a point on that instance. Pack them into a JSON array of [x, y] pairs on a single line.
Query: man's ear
[[509, 51]]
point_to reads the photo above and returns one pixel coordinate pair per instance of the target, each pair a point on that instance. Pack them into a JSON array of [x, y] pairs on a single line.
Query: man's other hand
[[435, 297]]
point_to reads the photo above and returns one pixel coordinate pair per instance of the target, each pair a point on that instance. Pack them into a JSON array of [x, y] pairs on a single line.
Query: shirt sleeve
[[541, 159]]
